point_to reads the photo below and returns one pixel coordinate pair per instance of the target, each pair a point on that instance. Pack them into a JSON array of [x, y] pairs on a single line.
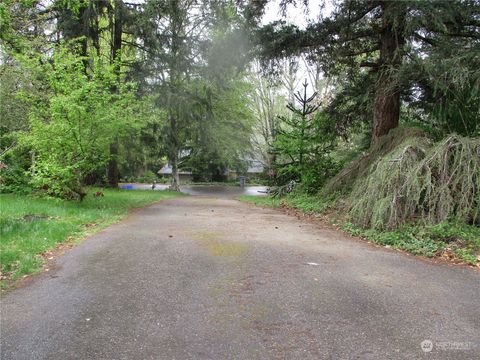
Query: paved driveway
[[213, 278]]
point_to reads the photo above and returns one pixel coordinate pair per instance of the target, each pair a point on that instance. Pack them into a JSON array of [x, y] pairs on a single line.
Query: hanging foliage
[[420, 179]]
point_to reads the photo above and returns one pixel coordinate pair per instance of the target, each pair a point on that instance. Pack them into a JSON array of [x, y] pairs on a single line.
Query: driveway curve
[[213, 278]]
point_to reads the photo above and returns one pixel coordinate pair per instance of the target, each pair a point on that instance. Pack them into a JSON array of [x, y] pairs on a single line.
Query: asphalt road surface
[[213, 278]]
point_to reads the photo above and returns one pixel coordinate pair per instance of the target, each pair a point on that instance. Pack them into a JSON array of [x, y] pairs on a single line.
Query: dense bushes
[[71, 130], [14, 175]]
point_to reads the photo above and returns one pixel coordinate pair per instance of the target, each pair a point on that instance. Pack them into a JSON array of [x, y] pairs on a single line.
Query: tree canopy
[[399, 51], [98, 92]]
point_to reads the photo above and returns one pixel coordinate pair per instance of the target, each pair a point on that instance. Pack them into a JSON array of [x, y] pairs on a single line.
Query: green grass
[[266, 201], [451, 239], [29, 225], [306, 203]]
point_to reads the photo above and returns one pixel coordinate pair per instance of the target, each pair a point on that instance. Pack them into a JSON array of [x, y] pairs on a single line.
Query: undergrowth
[[306, 203], [446, 239]]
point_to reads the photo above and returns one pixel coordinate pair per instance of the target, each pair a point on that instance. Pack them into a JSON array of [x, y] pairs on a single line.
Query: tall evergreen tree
[[174, 43], [189, 71], [304, 142], [385, 37]]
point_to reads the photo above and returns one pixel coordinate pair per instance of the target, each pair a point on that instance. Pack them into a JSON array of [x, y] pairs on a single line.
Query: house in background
[[254, 171], [255, 168], [166, 172]]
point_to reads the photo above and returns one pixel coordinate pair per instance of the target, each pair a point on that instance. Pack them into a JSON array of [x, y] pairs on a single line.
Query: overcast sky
[[294, 15], [297, 15]]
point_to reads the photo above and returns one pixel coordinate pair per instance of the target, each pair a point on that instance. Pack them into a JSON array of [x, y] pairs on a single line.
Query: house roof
[[255, 167], [167, 170]]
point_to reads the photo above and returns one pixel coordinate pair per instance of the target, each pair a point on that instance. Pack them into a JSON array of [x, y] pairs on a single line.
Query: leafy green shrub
[[14, 164], [14, 179], [72, 130]]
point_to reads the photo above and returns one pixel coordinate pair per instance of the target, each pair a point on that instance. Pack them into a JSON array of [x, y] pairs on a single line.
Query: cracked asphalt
[[214, 278]]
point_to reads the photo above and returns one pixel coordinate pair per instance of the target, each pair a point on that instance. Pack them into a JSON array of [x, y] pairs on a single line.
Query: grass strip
[[30, 226]]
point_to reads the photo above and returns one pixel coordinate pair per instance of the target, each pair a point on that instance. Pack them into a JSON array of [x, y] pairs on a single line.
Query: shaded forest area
[[370, 109]]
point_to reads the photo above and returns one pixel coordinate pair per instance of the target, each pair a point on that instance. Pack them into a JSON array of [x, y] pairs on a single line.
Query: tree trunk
[[117, 34], [113, 166], [113, 177], [173, 154], [386, 108], [175, 185]]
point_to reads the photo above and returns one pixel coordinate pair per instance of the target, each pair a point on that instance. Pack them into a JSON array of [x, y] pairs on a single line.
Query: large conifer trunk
[[386, 108]]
